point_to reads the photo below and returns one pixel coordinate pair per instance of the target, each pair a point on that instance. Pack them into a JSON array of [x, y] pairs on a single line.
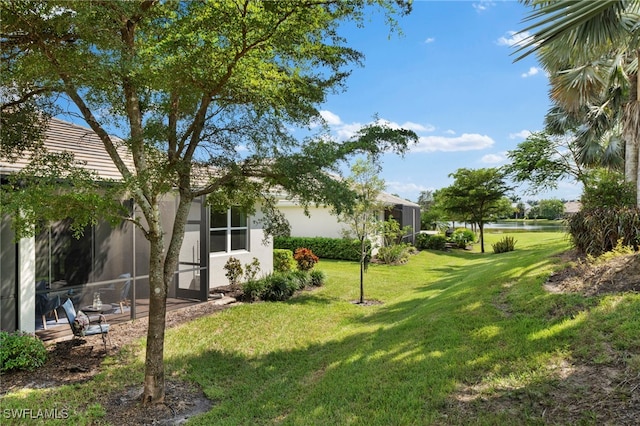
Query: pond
[[527, 225]]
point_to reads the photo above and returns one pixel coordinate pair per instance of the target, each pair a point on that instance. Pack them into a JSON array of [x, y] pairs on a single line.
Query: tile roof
[[63, 136]]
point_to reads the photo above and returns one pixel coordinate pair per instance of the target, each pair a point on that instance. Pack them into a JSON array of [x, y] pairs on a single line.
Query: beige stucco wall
[[321, 222], [257, 248]]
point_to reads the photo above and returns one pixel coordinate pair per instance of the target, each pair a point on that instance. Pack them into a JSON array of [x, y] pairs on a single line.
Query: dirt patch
[[366, 302], [617, 275], [79, 360]]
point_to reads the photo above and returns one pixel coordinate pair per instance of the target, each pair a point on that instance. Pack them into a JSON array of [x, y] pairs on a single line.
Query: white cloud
[[493, 158], [450, 132], [514, 38], [522, 134], [395, 187], [464, 142], [429, 40], [331, 118], [416, 127], [532, 71], [483, 5], [343, 131], [346, 131]]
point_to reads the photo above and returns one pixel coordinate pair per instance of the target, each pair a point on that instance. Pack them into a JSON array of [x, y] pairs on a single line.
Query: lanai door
[[193, 267]]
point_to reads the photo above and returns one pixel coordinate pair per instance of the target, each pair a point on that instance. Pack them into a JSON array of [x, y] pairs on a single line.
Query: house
[[322, 222], [36, 273], [571, 208]]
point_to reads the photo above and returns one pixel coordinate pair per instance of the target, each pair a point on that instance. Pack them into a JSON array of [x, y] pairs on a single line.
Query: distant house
[[322, 222], [53, 264], [572, 207]]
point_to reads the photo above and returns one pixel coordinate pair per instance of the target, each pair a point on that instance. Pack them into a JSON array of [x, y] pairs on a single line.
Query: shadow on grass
[[444, 355]]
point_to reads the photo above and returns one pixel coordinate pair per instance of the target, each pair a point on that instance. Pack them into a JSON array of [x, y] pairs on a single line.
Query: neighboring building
[[571, 208], [321, 222], [53, 264]]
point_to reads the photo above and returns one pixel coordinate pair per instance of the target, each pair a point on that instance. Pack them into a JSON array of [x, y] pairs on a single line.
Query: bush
[[462, 237], [421, 241], [251, 269], [283, 260], [279, 287], [317, 278], [431, 242], [504, 245], [599, 230], [254, 289], [394, 255], [302, 278], [325, 248], [234, 270], [21, 351], [305, 258]]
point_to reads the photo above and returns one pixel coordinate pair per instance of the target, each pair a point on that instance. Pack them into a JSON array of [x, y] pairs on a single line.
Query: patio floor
[[61, 330]]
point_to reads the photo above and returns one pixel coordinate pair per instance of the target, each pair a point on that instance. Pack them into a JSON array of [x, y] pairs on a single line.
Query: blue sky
[[451, 78]]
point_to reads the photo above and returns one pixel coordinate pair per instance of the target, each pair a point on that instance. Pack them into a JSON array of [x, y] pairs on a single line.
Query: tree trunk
[[363, 259], [481, 227], [154, 360], [162, 267], [631, 133]]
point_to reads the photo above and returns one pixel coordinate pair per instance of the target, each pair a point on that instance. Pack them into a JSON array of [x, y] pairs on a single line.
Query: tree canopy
[[591, 51], [202, 95]]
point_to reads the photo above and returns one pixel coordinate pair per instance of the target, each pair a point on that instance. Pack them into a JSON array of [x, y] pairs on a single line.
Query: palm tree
[[593, 138], [591, 49]]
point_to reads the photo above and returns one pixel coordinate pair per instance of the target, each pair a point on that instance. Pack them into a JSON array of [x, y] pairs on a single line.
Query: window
[[229, 231]]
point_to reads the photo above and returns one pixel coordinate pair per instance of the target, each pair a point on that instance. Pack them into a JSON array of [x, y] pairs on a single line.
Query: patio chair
[[46, 304], [119, 293], [84, 327]]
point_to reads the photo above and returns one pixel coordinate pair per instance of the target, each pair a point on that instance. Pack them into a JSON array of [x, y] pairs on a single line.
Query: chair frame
[[100, 327]]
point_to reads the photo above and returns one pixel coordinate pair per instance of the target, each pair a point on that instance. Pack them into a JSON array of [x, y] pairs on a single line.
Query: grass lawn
[[453, 330]]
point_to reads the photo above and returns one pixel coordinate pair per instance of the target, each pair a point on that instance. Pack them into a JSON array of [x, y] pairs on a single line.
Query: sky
[[452, 79]]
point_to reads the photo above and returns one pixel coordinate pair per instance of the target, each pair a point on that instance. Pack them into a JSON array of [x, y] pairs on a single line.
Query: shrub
[[599, 230], [504, 245], [462, 237], [21, 351], [431, 242], [317, 278], [619, 250], [254, 290], [279, 287], [305, 258], [283, 260], [302, 278], [421, 241], [234, 270], [393, 255], [251, 269]]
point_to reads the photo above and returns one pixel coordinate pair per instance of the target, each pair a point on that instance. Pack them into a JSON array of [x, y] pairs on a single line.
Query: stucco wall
[[257, 248], [320, 223]]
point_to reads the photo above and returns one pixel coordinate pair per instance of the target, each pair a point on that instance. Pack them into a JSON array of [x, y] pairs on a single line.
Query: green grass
[[450, 324]]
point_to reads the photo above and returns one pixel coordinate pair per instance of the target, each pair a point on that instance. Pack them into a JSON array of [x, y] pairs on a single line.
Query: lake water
[[529, 225]]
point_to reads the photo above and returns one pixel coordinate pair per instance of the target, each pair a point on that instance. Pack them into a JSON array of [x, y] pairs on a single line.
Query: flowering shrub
[[305, 258]]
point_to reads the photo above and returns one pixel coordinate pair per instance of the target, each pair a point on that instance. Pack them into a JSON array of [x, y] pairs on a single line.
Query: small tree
[[363, 220], [475, 195]]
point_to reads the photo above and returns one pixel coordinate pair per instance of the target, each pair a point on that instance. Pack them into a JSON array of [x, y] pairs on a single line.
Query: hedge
[[325, 248]]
